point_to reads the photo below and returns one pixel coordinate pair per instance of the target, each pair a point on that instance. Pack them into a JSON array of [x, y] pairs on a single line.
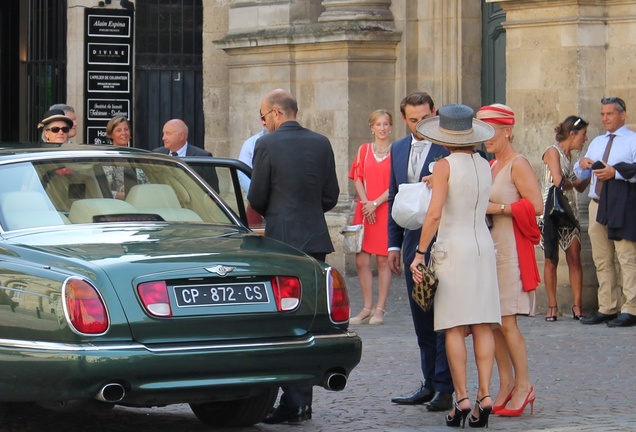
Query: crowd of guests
[[476, 205], [59, 126], [482, 216]]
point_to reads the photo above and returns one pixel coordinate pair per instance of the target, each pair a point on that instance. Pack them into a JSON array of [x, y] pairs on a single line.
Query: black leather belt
[[595, 200]]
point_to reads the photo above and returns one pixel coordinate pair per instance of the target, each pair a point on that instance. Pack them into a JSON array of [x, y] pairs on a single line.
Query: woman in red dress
[[370, 172]]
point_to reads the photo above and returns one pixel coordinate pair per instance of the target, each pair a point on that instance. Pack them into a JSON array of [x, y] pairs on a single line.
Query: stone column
[[340, 65], [357, 10], [561, 58]]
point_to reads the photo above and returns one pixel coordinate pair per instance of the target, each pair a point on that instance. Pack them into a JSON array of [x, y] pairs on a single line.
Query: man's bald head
[[175, 134], [277, 107]]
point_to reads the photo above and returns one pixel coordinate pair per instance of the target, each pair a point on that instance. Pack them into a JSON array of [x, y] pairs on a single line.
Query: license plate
[[221, 294]]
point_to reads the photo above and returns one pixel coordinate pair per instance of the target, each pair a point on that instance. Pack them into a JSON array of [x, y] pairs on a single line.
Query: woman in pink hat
[[515, 202]]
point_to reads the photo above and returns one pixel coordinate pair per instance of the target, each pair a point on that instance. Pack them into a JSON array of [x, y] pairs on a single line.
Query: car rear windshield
[[119, 189]]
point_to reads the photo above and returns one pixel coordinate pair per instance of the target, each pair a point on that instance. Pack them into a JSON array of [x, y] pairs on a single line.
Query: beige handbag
[[352, 238]]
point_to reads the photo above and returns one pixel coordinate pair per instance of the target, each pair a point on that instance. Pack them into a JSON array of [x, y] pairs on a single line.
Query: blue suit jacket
[[400, 151]]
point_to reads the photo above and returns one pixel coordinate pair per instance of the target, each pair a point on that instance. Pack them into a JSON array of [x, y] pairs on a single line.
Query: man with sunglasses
[[55, 126], [610, 161], [294, 184]]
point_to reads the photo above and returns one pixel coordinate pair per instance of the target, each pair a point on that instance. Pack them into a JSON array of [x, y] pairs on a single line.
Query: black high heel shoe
[[575, 316], [484, 413], [552, 318], [460, 415]]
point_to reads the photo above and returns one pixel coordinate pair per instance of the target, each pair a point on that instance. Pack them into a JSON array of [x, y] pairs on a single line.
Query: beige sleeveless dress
[[464, 254], [513, 299]]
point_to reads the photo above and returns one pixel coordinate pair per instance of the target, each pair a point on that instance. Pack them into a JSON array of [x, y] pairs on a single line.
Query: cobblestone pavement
[[583, 376]]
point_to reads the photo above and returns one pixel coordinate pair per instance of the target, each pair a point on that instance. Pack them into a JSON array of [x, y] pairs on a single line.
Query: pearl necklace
[[380, 153]]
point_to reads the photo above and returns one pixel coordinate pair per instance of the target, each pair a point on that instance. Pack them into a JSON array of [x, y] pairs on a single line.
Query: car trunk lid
[[223, 266]]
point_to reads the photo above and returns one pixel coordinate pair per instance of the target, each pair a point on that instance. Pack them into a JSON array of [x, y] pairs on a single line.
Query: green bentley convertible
[[126, 280]]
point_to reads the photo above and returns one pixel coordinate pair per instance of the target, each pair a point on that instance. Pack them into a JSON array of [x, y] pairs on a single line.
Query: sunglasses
[[262, 116], [616, 100], [56, 129]]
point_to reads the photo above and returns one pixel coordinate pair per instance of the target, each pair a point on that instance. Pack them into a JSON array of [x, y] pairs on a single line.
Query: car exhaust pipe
[[111, 392], [334, 381]]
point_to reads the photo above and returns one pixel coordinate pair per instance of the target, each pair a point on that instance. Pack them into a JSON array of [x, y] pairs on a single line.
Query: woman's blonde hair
[[375, 115]]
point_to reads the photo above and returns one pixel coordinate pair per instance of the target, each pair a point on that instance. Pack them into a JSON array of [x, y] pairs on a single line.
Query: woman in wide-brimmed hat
[[515, 202], [463, 255], [55, 126]]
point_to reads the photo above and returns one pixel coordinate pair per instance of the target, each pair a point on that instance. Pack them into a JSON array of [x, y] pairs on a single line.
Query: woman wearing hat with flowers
[[55, 126], [463, 254], [515, 202]]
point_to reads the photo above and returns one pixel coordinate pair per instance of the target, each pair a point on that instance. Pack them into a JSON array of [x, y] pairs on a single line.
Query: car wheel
[[242, 412]]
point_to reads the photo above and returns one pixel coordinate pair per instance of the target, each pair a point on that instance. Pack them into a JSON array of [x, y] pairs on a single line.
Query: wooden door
[[168, 70]]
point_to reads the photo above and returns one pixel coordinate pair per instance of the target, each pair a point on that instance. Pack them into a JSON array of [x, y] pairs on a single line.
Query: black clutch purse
[[424, 292], [558, 208]]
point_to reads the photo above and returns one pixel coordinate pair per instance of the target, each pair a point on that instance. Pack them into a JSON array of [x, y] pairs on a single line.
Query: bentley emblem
[[221, 270]]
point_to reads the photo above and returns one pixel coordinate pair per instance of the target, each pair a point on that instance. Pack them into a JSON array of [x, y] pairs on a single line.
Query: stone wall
[[344, 58], [562, 58]]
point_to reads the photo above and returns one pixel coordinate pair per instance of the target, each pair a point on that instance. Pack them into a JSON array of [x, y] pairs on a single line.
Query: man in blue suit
[[410, 159]]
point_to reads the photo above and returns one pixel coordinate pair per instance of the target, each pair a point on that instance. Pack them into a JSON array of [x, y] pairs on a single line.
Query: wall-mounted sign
[[109, 67], [109, 26], [108, 81], [105, 109], [106, 54]]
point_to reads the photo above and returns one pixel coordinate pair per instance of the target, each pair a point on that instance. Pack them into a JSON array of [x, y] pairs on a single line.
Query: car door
[[231, 176]]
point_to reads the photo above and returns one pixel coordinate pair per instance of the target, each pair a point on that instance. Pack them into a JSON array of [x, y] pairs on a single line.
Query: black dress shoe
[[623, 320], [419, 397], [290, 416], [598, 318], [440, 402]]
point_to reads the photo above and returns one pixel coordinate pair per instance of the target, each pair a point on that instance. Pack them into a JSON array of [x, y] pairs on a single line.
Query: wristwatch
[[502, 208], [375, 203]]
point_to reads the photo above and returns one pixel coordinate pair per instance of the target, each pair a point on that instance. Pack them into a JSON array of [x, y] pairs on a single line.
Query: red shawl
[[527, 235]]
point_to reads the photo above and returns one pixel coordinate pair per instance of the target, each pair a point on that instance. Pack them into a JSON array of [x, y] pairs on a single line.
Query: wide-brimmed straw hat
[[54, 115], [455, 126]]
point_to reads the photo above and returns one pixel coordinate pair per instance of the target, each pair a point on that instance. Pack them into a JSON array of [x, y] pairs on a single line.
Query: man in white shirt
[[617, 145], [245, 155]]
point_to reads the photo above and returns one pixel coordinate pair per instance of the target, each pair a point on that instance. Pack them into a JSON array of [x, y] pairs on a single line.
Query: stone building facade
[[345, 58]]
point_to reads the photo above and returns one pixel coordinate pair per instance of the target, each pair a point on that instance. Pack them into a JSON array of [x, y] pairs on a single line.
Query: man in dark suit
[[410, 159], [293, 184], [175, 143]]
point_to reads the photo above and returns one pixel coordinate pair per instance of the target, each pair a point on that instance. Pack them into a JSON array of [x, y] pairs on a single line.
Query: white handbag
[[352, 238], [410, 205]]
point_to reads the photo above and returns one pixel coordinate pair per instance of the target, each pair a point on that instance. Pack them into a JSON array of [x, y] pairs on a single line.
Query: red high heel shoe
[[507, 412], [496, 408]]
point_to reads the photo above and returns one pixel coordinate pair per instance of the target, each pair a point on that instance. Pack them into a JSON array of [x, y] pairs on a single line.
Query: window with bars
[[168, 69], [43, 73]]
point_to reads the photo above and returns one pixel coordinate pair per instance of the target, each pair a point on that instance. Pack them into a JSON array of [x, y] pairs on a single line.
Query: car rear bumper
[[160, 375]]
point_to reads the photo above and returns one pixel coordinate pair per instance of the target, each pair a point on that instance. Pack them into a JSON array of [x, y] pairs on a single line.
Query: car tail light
[[84, 307], [286, 292], [154, 296], [338, 298]]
